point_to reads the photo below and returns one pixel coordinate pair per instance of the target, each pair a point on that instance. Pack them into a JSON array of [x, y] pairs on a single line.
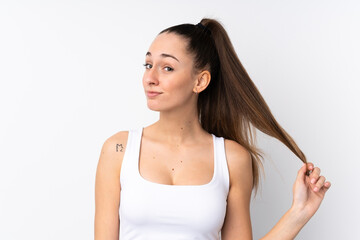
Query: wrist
[[299, 215], [288, 226]]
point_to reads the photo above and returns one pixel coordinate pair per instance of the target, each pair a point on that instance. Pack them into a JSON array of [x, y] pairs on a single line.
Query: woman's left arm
[[307, 197], [308, 193]]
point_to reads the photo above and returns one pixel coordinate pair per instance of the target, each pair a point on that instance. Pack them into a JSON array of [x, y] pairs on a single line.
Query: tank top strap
[[129, 163], [222, 166]]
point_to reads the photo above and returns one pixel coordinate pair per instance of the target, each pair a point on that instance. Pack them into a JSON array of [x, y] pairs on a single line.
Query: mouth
[[152, 94]]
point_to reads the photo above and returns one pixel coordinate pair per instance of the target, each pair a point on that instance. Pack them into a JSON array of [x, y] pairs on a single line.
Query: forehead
[[169, 43]]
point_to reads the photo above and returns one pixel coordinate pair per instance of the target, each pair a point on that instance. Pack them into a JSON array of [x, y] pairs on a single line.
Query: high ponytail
[[231, 106]]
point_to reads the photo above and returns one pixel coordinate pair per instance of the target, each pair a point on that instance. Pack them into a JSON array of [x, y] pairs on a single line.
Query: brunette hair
[[231, 105]]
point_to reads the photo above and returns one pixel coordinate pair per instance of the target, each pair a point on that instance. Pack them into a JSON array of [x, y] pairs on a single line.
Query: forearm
[[288, 226]]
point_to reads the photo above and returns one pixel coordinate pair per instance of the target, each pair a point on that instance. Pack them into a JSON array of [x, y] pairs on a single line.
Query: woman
[[190, 175]]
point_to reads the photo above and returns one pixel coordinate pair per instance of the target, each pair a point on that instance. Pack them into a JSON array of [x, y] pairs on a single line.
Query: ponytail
[[231, 106]]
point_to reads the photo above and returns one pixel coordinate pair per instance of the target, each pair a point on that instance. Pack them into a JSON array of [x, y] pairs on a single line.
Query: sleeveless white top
[[155, 211]]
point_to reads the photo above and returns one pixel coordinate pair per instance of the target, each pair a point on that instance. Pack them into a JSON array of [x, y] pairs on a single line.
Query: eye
[[147, 65], [169, 69]]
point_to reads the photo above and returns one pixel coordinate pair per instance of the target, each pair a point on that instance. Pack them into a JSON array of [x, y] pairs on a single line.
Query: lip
[[152, 93]]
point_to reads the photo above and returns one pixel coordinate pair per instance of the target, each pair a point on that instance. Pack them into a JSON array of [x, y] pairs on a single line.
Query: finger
[[310, 166], [326, 187], [301, 173], [319, 184], [314, 176]]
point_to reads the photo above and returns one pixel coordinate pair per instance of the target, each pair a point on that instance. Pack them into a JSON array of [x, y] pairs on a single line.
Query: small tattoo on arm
[[119, 147]]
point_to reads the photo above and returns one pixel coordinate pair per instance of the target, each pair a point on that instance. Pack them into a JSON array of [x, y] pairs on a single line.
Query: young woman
[[190, 175]]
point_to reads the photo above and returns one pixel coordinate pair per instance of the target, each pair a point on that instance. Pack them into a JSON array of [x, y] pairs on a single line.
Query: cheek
[[180, 84], [179, 93]]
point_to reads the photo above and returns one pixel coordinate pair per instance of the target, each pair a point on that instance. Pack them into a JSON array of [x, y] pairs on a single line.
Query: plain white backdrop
[[70, 77]]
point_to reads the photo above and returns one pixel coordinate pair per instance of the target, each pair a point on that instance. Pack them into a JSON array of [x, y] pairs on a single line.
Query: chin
[[154, 107], [157, 107]]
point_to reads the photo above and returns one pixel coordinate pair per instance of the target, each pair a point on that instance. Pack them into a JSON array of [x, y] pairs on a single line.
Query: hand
[[309, 191]]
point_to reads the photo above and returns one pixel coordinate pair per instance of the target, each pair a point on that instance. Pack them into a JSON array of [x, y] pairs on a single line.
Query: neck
[[178, 125]]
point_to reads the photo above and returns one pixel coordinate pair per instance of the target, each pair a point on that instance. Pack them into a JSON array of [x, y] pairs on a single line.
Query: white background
[[71, 72]]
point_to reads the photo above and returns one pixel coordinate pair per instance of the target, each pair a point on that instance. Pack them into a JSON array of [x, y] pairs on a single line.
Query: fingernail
[[316, 188], [313, 180]]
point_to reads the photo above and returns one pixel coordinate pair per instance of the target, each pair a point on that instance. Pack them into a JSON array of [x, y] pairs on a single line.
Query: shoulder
[[237, 222], [113, 149], [116, 142], [108, 187], [239, 162]]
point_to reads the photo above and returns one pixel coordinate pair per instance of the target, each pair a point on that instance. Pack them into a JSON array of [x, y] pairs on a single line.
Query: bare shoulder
[[113, 149], [237, 224], [111, 156], [117, 142], [107, 186], [239, 162]]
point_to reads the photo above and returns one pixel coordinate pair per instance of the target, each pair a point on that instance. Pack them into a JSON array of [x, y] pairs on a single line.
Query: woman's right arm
[[107, 188]]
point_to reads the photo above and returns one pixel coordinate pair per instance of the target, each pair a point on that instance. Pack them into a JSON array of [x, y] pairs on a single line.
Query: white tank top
[[155, 211]]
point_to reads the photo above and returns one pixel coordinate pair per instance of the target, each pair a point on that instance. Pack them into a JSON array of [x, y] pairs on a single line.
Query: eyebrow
[[163, 55]]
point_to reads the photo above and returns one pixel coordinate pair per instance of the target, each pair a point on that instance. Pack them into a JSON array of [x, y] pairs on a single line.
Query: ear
[[202, 81]]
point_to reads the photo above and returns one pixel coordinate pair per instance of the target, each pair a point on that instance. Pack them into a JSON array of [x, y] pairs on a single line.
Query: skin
[[179, 134]]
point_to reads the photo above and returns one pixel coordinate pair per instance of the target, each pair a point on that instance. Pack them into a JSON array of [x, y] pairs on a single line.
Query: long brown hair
[[231, 106]]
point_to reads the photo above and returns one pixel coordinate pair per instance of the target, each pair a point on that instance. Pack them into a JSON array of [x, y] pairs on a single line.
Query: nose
[[151, 76]]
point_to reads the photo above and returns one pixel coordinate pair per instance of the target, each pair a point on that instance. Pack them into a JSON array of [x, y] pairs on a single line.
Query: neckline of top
[[140, 132]]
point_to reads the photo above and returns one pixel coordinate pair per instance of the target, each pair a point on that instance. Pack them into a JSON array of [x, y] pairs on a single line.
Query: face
[[169, 72]]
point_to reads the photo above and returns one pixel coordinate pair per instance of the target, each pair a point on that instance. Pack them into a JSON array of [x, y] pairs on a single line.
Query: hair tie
[[199, 25]]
